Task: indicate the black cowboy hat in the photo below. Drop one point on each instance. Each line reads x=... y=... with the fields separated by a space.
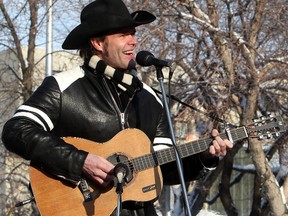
x=101 y=17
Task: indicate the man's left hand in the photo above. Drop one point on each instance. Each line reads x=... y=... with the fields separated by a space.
x=219 y=146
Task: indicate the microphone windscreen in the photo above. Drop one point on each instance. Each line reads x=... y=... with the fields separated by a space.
x=142 y=58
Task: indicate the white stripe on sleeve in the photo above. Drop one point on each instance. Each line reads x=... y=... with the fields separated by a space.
x=160 y=143
x=30 y=115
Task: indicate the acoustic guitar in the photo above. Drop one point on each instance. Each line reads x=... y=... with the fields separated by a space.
x=144 y=180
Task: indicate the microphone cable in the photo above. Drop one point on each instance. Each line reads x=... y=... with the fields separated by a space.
x=194 y=108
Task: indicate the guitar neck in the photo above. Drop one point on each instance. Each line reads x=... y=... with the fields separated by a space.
x=187 y=149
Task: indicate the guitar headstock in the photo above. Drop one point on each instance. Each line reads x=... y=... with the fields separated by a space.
x=266 y=127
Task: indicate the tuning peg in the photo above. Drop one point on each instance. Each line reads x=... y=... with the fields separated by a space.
x=269 y=114
x=256 y=121
x=268 y=135
x=277 y=134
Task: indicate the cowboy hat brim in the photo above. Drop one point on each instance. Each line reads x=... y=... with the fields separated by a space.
x=99 y=26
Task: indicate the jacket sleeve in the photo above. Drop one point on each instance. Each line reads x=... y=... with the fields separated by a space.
x=28 y=134
x=193 y=167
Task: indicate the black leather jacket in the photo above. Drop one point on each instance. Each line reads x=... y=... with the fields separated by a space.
x=79 y=103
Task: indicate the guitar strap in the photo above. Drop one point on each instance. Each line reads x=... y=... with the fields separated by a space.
x=84 y=188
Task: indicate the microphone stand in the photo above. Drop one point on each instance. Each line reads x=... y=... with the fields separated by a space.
x=119 y=190
x=120 y=172
x=160 y=78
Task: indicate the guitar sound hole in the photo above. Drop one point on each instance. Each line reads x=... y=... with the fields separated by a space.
x=117 y=158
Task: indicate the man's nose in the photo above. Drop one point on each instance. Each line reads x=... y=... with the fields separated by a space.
x=133 y=40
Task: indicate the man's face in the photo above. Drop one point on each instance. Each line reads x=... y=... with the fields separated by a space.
x=117 y=49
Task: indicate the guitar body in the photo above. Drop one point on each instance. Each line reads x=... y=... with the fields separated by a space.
x=58 y=197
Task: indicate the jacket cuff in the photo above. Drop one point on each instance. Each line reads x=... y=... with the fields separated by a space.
x=210 y=164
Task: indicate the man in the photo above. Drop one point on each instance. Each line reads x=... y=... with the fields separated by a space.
x=96 y=101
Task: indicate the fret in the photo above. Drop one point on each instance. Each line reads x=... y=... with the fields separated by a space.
x=145 y=161
x=141 y=162
x=163 y=158
x=186 y=151
x=151 y=162
x=141 y=166
x=156 y=158
x=135 y=167
x=199 y=144
x=160 y=158
x=170 y=155
x=137 y=164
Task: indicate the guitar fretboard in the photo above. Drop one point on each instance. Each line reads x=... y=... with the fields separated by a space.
x=168 y=155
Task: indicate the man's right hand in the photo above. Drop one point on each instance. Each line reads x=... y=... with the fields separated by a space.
x=98 y=169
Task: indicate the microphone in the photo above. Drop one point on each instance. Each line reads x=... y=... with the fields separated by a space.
x=145 y=58
x=120 y=171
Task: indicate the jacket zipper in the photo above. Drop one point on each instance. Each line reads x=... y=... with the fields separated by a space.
x=122 y=117
x=121 y=114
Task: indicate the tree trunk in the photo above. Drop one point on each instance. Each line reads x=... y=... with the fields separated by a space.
x=267 y=178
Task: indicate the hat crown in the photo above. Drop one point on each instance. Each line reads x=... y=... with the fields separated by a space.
x=101 y=17
x=101 y=8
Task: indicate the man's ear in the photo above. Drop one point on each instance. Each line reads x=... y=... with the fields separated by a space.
x=97 y=44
